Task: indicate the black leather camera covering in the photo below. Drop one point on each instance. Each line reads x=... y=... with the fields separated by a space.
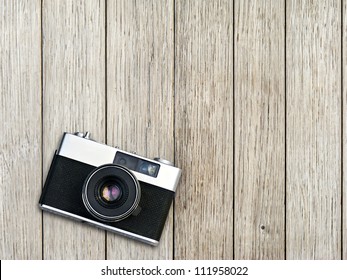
x=63 y=190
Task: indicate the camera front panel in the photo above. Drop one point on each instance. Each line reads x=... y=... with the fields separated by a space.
x=62 y=194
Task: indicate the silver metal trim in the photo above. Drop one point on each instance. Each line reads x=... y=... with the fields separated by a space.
x=100 y=225
x=162 y=160
x=96 y=154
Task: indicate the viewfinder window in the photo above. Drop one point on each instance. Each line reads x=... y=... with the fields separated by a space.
x=137 y=164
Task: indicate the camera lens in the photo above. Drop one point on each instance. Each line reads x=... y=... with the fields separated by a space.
x=111 y=193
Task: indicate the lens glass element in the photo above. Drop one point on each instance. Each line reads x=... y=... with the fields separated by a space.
x=110 y=192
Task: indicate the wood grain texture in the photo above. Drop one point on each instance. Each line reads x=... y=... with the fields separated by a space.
x=313 y=129
x=73 y=100
x=203 y=129
x=259 y=130
x=140 y=97
x=20 y=126
x=344 y=136
x=167 y=89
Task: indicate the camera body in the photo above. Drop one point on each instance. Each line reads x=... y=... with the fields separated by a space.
x=110 y=188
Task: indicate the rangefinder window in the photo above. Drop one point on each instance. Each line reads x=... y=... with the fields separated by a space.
x=137 y=164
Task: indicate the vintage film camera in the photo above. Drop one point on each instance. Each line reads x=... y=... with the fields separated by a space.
x=110 y=188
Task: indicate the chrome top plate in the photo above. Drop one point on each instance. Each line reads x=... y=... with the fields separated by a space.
x=96 y=154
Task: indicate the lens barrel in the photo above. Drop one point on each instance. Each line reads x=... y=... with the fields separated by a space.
x=111 y=193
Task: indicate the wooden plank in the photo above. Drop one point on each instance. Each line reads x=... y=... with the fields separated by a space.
x=344 y=140
x=140 y=97
x=259 y=130
x=203 y=129
x=20 y=126
x=73 y=100
x=313 y=129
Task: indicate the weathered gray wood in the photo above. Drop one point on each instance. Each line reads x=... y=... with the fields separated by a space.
x=73 y=100
x=170 y=93
x=140 y=101
x=203 y=129
x=344 y=136
x=313 y=129
x=259 y=130
x=20 y=126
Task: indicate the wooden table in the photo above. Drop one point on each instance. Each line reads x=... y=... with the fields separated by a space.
x=247 y=97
